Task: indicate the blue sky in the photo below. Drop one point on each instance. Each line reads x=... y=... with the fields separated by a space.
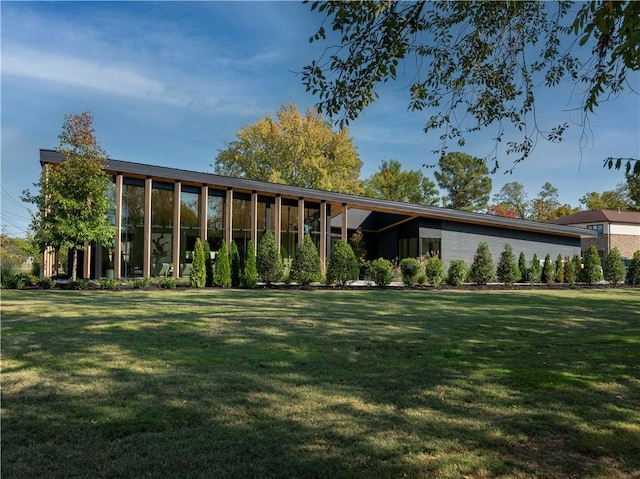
x=171 y=83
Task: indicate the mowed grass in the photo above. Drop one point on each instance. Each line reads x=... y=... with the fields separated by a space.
x=321 y=384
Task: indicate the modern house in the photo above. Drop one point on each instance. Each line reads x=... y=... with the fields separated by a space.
x=159 y=212
x=619 y=229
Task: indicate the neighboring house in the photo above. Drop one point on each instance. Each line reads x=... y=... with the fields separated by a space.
x=619 y=229
x=160 y=211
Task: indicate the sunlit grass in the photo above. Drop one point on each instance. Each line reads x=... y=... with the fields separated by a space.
x=340 y=384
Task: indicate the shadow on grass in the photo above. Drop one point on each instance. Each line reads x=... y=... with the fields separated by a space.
x=321 y=384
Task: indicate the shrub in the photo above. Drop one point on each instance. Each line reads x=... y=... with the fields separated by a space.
x=570 y=275
x=634 y=269
x=78 y=284
x=548 y=270
x=409 y=269
x=268 y=261
x=559 y=274
x=208 y=264
x=198 y=274
x=167 y=282
x=45 y=283
x=343 y=264
x=305 y=267
x=108 y=284
x=534 y=271
x=457 y=273
x=250 y=274
x=236 y=266
x=592 y=271
x=614 y=270
x=434 y=271
x=508 y=270
x=522 y=266
x=12 y=278
x=482 y=270
x=381 y=272
x=140 y=283
x=222 y=274
x=577 y=267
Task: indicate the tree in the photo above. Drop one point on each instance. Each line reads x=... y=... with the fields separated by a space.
x=614 y=269
x=633 y=188
x=625 y=197
x=522 y=266
x=577 y=267
x=534 y=271
x=508 y=270
x=343 y=264
x=513 y=198
x=305 y=267
x=198 y=274
x=592 y=270
x=482 y=270
x=501 y=210
x=268 y=261
x=222 y=273
x=236 y=266
x=559 y=273
x=479 y=64
x=546 y=206
x=634 y=269
x=548 y=270
x=570 y=274
x=293 y=150
x=390 y=182
x=250 y=274
x=466 y=179
x=72 y=199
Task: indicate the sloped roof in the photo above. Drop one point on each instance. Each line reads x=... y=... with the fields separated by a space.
x=600 y=216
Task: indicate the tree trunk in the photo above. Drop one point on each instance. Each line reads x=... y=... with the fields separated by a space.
x=74 y=265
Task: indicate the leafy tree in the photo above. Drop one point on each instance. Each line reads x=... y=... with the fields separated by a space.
x=548 y=270
x=482 y=270
x=250 y=274
x=577 y=267
x=222 y=273
x=305 y=267
x=268 y=261
x=500 y=209
x=479 y=64
x=607 y=200
x=390 y=182
x=457 y=272
x=198 y=274
x=294 y=150
x=381 y=272
x=508 y=270
x=434 y=271
x=634 y=269
x=559 y=272
x=522 y=266
x=236 y=265
x=534 y=271
x=409 y=269
x=343 y=264
x=513 y=197
x=546 y=206
x=208 y=263
x=592 y=270
x=614 y=269
x=466 y=179
x=633 y=189
x=72 y=199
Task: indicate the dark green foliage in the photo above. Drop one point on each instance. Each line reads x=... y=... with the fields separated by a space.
x=534 y=271
x=268 y=261
x=409 y=268
x=482 y=270
x=109 y=284
x=208 y=264
x=222 y=273
x=305 y=267
x=508 y=270
x=236 y=265
x=343 y=264
x=548 y=270
x=466 y=179
x=381 y=272
x=140 y=283
x=78 y=284
x=167 y=283
x=45 y=283
x=457 y=273
x=570 y=274
x=250 y=275
x=559 y=274
x=634 y=269
x=592 y=271
x=614 y=270
x=434 y=271
x=198 y=274
x=577 y=267
x=522 y=265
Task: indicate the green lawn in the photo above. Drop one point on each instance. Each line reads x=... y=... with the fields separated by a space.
x=321 y=384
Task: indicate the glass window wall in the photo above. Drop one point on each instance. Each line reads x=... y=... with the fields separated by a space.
x=132 y=236
x=189 y=226
x=161 y=229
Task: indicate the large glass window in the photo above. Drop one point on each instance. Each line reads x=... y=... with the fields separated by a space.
x=312 y=222
x=597 y=228
x=215 y=219
x=288 y=229
x=241 y=221
x=161 y=229
x=266 y=216
x=132 y=237
x=106 y=263
x=431 y=247
x=408 y=248
x=189 y=226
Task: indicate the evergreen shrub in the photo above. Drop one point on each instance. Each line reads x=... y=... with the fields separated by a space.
x=570 y=275
x=522 y=265
x=434 y=271
x=268 y=261
x=592 y=271
x=250 y=274
x=614 y=270
x=482 y=270
x=409 y=269
x=343 y=264
x=457 y=273
x=634 y=269
x=548 y=270
x=508 y=270
x=305 y=267
x=559 y=274
x=222 y=273
x=198 y=274
x=381 y=272
x=535 y=273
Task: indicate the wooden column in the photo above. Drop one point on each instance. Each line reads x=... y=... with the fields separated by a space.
x=300 y=220
x=228 y=218
x=117 y=249
x=344 y=222
x=204 y=211
x=175 y=257
x=146 y=251
x=254 y=220
x=277 y=228
x=323 y=236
